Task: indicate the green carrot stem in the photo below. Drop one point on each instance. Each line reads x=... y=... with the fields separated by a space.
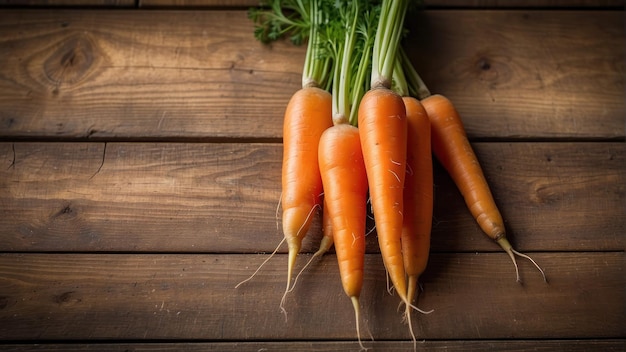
x=417 y=87
x=390 y=26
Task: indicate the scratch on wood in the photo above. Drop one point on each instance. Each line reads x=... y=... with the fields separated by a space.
x=104 y=153
x=161 y=121
x=12 y=165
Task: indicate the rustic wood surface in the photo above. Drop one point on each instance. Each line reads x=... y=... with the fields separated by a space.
x=140 y=160
x=87 y=71
x=216 y=196
x=248 y=3
x=177 y=296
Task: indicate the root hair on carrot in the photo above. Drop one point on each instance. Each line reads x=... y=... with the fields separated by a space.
x=262 y=264
x=324 y=247
x=277 y=215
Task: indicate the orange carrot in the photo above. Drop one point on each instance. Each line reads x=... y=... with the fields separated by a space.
x=418 y=194
x=345 y=194
x=383 y=134
x=454 y=152
x=307 y=116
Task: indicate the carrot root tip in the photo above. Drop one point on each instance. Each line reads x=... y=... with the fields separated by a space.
x=282 y=302
x=357 y=315
x=262 y=264
x=543 y=274
x=407 y=318
x=508 y=248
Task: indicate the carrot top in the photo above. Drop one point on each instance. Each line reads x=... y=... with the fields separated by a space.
x=387 y=41
x=350 y=39
x=302 y=21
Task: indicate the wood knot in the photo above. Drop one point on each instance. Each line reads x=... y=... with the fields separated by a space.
x=67 y=211
x=546 y=193
x=65 y=298
x=71 y=61
x=492 y=70
x=484 y=64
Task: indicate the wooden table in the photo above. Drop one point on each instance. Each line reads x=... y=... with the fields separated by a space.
x=140 y=159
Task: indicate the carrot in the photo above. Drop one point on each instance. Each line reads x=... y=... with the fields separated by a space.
x=345 y=194
x=308 y=114
x=382 y=128
x=454 y=152
x=340 y=156
x=418 y=194
x=418 y=184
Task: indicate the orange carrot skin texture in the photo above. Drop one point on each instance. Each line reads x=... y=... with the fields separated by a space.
x=307 y=116
x=382 y=126
x=418 y=190
x=454 y=152
x=345 y=195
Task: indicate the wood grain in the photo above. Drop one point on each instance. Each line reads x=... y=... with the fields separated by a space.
x=177 y=197
x=185 y=75
x=91 y=74
x=426 y=3
x=250 y=3
x=140 y=166
x=81 y=3
x=189 y=297
x=604 y=345
x=514 y=63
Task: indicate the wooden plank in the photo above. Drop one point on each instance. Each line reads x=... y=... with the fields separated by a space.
x=524 y=3
x=104 y=3
x=142 y=74
x=217 y=197
x=426 y=3
x=495 y=63
x=171 y=297
x=199 y=3
x=251 y=3
x=186 y=75
x=605 y=345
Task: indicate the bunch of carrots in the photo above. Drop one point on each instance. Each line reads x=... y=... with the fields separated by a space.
x=362 y=130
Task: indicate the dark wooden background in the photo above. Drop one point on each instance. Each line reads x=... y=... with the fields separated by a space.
x=140 y=151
